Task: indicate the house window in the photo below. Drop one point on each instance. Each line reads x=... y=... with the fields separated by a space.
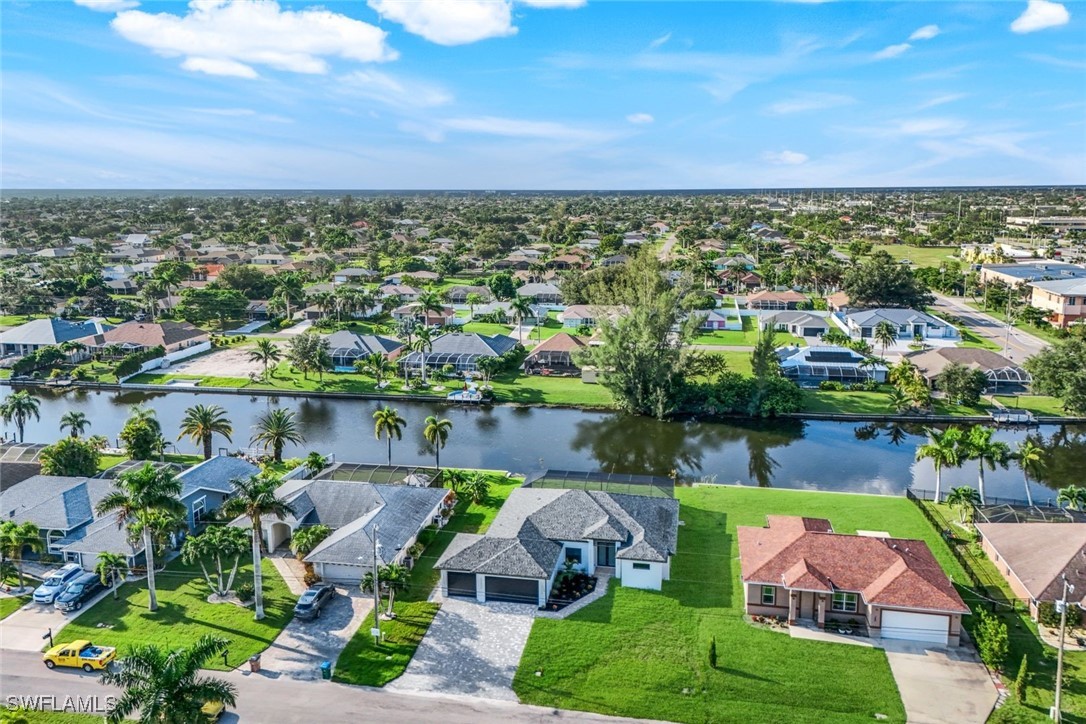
x=641 y=566
x=573 y=555
x=198 y=508
x=769 y=595
x=845 y=602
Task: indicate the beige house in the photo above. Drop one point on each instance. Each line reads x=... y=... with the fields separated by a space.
x=1034 y=557
x=1063 y=299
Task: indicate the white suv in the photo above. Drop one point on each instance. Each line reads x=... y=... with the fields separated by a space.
x=54 y=583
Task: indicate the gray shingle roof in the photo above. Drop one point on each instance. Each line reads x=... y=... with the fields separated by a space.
x=103 y=535
x=53 y=502
x=466 y=345
x=526 y=558
x=345 y=343
x=871 y=317
x=215 y=474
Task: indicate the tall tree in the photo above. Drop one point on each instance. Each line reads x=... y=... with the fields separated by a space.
x=75 y=422
x=885 y=335
x=111 y=569
x=521 y=309
x=275 y=429
x=70 y=456
x=289 y=290
x=168 y=686
x=18 y=538
x=1030 y=458
x=18 y=408
x=964 y=499
x=961 y=384
x=202 y=422
x=376 y=365
x=137 y=495
x=944 y=450
x=142 y=434
x=424 y=342
x=391 y=578
x=387 y=422
x=1060 y=371
x=216 y=544
x=255 y=498
x=266 y=352
x=436 y=433
x=883 y=282
x=979 y=446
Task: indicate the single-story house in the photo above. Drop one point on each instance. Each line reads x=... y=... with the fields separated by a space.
x=798 y=568
x=715 y=319
x=270 y=259
x=398 y=291
x=138 y=336
x=798 y=323
x=414 y=310
x=588 y=315
x=63 y=508
x=539 y=530
x=541 y=293
x=838 y=302
x=1034 y=557
x=408 y=277
x=353 y=274
x=460 y=294
x=568 y=261
x=206 y=485
x=556 y=353
x=616 y=260
x=908 y=324
x=348 y=347
x=537 y=313
x=257 y=310
x=462 y=350
x=809 y=366
x=38 y=333
x=356 y=513
x=766 y=299
x=1002 y=373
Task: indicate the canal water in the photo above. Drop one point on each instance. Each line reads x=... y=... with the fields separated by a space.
x=817 y=455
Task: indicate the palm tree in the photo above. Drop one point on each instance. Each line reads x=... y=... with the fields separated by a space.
x=944 y=450
x=424 y=342
x=255 y=498
x=477 y=487
x=1030 y=459
x=111 y=568
x=885 y=334
x=375 y=364
x=202 y=422
x=168 y=686
x=306 y=539
x=393 y=577
x=430 y=302
x=522 y=309
x=963 y=498
x=140 y=413
x=275 y=429
x=265 y=352
x=75 y=422
x=315 y=462
x=1074 y=496
x=979 y=446
x=19 y=408
x=16 y=538
x=138 y=495
x=436 y=433
x=472 y=299
x=388 y=423
x=454 y=479
x=289 y=289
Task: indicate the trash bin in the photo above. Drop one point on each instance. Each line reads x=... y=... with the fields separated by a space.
x=254 y=663
x=326 y=669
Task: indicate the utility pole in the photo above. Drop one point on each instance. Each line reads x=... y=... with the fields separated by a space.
x=376 y=593
x=1067 y=588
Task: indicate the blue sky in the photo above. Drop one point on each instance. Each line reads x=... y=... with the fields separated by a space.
x=541 y=94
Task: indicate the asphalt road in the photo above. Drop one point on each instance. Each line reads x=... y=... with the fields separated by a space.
x=261 y=699
x=1020 y=345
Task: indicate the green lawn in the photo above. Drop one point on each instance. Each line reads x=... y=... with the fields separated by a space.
x=363 y=663
x=920 y=255
x=746 y=338
x=969 y=339
x=847 y=402
x=11 y=604
x=537 y=389
x=644 y=654
x=1048 y=334
x=487 y=328
x=184 y=614
x=61 y=717
x=1039 y=405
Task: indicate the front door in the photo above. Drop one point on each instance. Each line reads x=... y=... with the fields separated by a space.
x=605 y=554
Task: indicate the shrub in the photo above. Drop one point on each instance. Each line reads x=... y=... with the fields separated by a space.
x=992 y=644
x=415 y=550
x=131 y=363
x=70 y=456
x=1047 y=615
x=427 y=535
x=245 y=592
x=1021 y=681
x=830 y=385
x=311 y=578
x=712 y=652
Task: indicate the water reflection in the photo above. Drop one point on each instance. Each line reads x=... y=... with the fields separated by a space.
x=1063 y=456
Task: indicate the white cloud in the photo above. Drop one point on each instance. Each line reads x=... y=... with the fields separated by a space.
x=803 y=102
x=1058 y=62
x=221 y=37
x=657 y=42
x=517 y=128
x=640 y=118
x=1041 y=14
x=449 y=22
x=786 y=158
x=108 y=6
x=393 y=91
x=941 y=100
x=892 y=51
x=925 y=33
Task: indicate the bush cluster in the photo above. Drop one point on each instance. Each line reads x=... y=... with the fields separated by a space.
x=131 y=363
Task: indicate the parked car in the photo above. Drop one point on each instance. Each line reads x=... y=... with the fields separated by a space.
x=213 y=710
x=79 y=591
x=79 y=655
x=312 y=601
x=53 y=584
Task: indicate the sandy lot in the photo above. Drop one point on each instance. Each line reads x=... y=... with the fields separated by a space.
x=232 y=362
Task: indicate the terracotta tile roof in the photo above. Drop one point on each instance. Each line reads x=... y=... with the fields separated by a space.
x=804 y=553
x=560 y=342
x=147 y=334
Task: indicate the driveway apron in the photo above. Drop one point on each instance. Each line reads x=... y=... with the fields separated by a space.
x=24 y=629
x=939 y=684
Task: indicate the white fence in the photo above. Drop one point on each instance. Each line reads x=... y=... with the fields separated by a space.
x=160 y=362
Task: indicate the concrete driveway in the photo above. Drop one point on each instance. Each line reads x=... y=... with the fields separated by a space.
x=471 y=649
x=23 y=630
x=301 y=647
x=940 y=684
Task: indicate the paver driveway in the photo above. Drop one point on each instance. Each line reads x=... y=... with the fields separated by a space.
x=471 y=648
x=298 y=651
x=940 y=684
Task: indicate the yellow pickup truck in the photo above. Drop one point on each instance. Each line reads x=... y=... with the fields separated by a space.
x=80 y=655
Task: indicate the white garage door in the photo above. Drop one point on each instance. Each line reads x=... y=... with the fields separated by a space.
x=927 y=627
x=338 y=573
